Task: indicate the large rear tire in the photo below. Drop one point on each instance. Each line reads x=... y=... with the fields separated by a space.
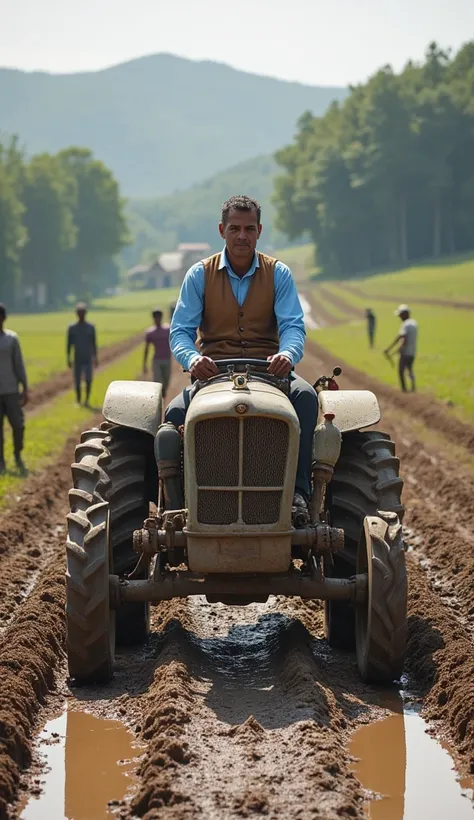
x=366 y=479
x=90 y=621
x=381 y=618
x=129 y=493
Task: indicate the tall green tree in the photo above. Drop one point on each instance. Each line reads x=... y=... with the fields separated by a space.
x=49 y=198
x=388 y=176
x=98 y=217
x=12 y=232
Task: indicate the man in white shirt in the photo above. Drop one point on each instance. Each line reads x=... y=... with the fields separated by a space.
x=407 y=337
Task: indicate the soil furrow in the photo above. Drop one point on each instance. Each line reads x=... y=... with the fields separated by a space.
x=245 y=710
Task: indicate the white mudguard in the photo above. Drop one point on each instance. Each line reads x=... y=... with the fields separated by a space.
x=134 y=404
x=352 y=409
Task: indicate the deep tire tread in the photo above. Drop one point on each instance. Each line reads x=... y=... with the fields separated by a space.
x=366 y=479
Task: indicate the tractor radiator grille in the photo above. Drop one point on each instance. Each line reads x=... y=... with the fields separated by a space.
x=219 y=463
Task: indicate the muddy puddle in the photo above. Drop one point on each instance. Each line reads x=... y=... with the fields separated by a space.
x=89 y=766
x=408 y=774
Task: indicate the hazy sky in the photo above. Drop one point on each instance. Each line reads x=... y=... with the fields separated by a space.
x=329 y=42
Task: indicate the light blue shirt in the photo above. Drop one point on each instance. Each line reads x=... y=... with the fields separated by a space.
x=189 y=307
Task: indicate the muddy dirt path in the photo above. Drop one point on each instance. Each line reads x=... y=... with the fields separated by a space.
x=43 y=392
x=242 y=711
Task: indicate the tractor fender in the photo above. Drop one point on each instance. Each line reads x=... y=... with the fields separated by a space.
x=352 y=409
x=134 y=404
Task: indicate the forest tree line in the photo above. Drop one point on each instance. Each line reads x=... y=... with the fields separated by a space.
x=386 y=177
x=61 y=224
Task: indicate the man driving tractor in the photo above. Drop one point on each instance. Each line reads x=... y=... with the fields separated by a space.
x=245 y=305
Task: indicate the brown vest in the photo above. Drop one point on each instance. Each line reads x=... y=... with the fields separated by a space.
x=230 y=331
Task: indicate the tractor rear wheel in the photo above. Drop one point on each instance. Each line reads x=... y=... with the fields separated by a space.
x=381 y=618
x=129 y=496
x=366 y=479
x=90 y=621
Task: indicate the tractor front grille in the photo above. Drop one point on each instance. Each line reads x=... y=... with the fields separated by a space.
x=243 y=454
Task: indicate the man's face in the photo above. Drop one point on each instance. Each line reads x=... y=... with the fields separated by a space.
x=157 y=319
x=3 y=316
x=241 y=233
x=81 y=315
x=404 y=315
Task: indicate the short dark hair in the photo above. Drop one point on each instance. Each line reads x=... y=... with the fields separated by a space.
x=240 y=203
x=3 y=310
x=157 y=312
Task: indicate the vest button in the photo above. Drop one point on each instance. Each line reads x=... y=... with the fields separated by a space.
x=241 y=329
x=241 y=313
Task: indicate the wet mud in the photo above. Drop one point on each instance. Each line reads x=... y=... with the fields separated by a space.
x=241 y=711
x=46 y=391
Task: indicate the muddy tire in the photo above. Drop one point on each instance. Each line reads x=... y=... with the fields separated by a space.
x=90 y=621
x=366 y=479
x=381 y=618
x=129 y=495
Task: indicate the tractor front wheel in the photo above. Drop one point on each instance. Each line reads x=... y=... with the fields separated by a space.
x=381 y=618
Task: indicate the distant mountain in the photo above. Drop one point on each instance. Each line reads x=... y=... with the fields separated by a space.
x=193 y=215
x=161 y=122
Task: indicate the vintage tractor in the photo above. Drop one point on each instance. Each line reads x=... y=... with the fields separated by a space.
x=158 y=513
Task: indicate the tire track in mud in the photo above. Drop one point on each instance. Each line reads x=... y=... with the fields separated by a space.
x=246 y=711
x=32 y=599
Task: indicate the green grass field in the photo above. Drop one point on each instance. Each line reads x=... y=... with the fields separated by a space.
x=445 y=361
x=47 y=430
x=452 y=280
x=43 y=335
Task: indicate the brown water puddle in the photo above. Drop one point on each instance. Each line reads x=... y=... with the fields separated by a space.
x=410 y=773
x=89 y=762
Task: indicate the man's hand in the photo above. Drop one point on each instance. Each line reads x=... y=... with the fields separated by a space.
x=279 y=365
x=69 y=364
x=96 y=362
x=145 y=370
x=24 y=397
x=203 y=368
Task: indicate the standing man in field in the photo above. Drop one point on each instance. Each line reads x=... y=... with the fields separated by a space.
x=371 y=323
x=82 y=337
x=12 y=401
x=159 y=337
x=245 y=305
x=406 y=339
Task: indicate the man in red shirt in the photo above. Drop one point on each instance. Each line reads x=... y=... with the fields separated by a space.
x=159 y=337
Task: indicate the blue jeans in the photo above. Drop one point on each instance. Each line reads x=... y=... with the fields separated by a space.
x=305 y=401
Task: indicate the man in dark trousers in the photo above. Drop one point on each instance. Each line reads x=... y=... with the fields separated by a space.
x=81 y=336
x=12 y=401
x=371 y=322
x=245 y=304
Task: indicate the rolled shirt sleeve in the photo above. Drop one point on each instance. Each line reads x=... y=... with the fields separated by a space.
x=289 y=315
x=187 y=317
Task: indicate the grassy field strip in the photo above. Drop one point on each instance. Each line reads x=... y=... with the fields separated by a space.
x=363 y=294
x=444 y=365
x=47 y=429
x=329 y=310
x=43 y=335
x=451 y=279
